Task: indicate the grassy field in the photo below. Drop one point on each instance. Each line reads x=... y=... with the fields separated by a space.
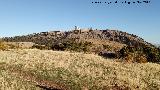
x=33 y=69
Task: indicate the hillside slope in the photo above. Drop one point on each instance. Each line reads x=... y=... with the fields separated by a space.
x=55 y=37
x=37 y=69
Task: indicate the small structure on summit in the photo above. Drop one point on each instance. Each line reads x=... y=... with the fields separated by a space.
x=79 y=30
x=76 y=30
x=57 y=32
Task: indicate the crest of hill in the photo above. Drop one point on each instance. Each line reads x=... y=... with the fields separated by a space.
x=99 y=36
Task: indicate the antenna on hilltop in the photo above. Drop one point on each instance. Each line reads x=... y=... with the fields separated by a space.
x=76 y=28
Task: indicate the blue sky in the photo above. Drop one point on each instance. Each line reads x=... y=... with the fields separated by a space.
x=21 y=17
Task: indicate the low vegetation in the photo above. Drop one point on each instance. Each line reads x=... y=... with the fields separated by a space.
x=127 y=53
x=41 y=47
x=73 y=45
x=3 y=46
x=47 y=69
x=14 y=45
x=140 y=54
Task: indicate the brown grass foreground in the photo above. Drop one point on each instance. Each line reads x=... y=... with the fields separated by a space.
x=32 y=69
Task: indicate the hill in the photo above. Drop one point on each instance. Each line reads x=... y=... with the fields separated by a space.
x=46 y=69
x=107 y=43
x=114 y=38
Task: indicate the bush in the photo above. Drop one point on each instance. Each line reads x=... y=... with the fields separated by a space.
x=3 y=46
x=41 y=47
x=135 y=57
x=152 y=53
x=140 y=54
x=107 y=47
x=72 y=45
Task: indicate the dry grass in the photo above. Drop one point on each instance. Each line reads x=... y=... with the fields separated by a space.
x=15 y=45
x=8 y=81
x=22 y=45
x=75 y=71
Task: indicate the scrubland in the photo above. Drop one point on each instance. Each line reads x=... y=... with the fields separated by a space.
x=33 y=69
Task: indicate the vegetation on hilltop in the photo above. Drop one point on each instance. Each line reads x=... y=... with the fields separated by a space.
x=72 y=45
x=51 y=38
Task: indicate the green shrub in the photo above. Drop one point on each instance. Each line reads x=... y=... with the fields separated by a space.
x=41 y=47
x=152 y=54
x=140 y=54
x=72 y=45
x=107 y=47
x=135 y=57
